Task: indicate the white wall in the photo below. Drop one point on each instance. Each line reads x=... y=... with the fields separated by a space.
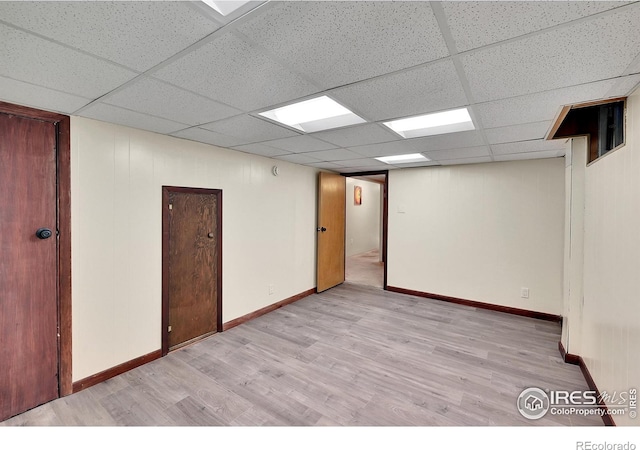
x=610 y=336
x=117 y=174
x=363 y=221
x=480 y=232
x=564 y=338
x=576 y=161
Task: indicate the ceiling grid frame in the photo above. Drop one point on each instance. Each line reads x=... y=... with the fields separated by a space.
x=368 y=137
x=448 y=38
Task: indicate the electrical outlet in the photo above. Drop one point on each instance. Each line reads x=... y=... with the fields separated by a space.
x=524 y=292
x=272 y=288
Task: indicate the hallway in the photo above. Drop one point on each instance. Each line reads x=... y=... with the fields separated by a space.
x=366 y=269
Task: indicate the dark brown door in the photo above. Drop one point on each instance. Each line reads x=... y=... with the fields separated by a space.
x=331 y=230
x=192 y=259
x=28 y=265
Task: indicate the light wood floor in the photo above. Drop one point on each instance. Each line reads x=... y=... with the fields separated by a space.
x=365 y=268
x=350 y=356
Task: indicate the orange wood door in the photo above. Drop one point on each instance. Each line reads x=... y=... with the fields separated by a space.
x=28 y=265
x=331 y=230
x=193 y=264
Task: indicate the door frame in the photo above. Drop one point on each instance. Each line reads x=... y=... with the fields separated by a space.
x=385 y=213
x=165 y=257
x=62 y=125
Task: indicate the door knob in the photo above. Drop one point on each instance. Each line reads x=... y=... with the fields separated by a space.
x=210 y=235
x=323 y=229
x=43 y=233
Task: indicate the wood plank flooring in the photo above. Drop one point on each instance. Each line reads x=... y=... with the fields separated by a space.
x=353 y=355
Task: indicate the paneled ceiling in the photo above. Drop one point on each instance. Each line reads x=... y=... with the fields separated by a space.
x=182 y=69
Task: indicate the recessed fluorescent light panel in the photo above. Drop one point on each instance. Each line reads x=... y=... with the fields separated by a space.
x=317 y=114
x=430 y=124
x=226 y=7
x=403 y=159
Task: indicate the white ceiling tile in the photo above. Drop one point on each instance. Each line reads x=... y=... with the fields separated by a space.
x=233 y=72
x=154 y=97
x=448 y=141
x=338 y=154
x=261 y=149
x=370 y=133
x=248 y=129
x=451 y=162
x=208 y=137
x=544 y=106
x=137 y=34
x=354 y=40
x=300 y=144
x=363 y=165
x=634 y=66
x=357 y=169
x=563 y=57
x=326 y=165
x=528 y=108
x=33 y=60
x=534 y=155
x=364 y=162
x=426 y=89
x=522 y=132
x=624 y=86
x=26 y=94
x=113 y=114
x=420 y=164
x=539 y=145
x=385 y=149
x=459 y=153
x=476 y=24
x=297 y=158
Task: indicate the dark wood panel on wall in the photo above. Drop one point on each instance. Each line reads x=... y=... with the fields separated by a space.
x=64 y=254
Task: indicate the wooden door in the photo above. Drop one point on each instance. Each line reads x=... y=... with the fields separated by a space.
x=331 y=230
x=193 y=261
x=28 y=264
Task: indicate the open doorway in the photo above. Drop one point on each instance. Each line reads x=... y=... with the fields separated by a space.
x=365 y=237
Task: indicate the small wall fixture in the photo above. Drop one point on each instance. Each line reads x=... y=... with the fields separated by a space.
x=275 y=170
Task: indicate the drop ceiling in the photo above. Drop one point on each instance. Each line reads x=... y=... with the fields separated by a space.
x=182 y=69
